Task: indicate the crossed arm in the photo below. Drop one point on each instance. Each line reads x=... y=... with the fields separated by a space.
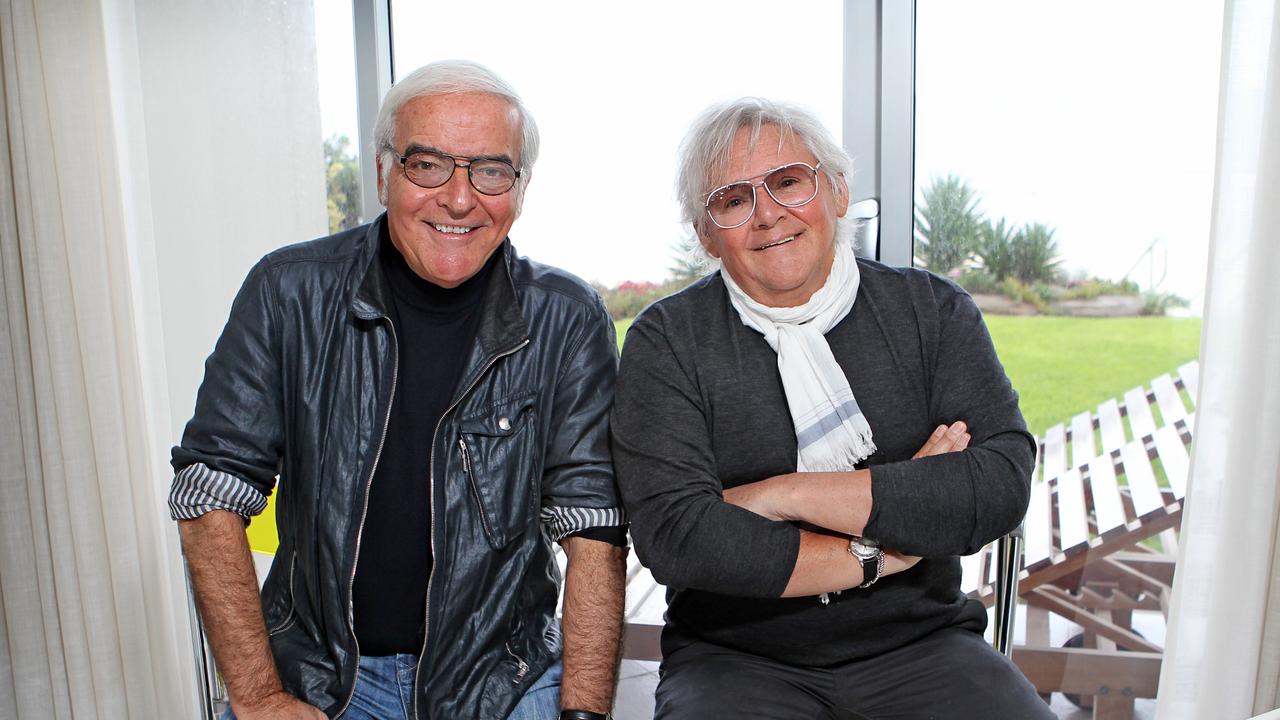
x=836 y=502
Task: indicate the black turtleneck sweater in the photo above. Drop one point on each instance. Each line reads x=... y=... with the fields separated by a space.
x=434 y=329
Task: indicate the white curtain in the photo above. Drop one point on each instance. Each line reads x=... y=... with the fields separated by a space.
x=1222 y=658
x=91 y=613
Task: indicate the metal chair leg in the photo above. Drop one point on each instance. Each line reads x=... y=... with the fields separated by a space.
x=1008 y=558
x=207 y=682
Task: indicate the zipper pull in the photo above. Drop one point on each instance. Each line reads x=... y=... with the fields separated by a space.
x=466 y=456
x=523 y=667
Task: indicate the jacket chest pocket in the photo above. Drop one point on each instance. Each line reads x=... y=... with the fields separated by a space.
x=498 y=450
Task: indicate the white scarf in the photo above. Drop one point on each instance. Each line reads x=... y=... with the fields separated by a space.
x=831 y=432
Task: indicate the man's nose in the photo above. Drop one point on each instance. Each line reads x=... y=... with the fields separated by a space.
x=767 y=209
x=457 y=195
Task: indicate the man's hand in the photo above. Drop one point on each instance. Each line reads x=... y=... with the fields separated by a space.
x=945 y=439
x=279 y=704
x=226 y=592
x=594 y=596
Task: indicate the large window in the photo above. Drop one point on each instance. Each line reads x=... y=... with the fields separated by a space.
x=1064 y=174
x=613 y=89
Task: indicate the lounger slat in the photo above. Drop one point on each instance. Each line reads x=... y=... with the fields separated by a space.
x=1140 y=420
x=1173 y=456
x=1037 y=527
x=1081 y=439
x=1107 y=507
x=1171 y=407
x=1111 y=425
x=1142 y=481
x=1190 y=375
x=1055 y=452
x=1073 y=524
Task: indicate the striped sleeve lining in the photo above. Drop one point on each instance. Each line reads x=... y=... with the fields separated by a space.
x=561 y=522
x=198 y=488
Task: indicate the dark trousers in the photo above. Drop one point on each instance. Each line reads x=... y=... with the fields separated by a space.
x=952 y=674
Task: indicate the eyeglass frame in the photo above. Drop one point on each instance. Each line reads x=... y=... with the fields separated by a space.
x=454 y=158
x=706 y=202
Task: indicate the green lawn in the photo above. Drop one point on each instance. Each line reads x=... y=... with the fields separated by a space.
x=1061 y=366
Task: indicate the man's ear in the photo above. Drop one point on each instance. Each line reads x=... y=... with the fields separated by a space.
x=382 y=190
x=708 y=243
x=841 y=192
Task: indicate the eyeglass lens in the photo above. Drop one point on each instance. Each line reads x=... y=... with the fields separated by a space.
x=789 y=185
x=429 y=170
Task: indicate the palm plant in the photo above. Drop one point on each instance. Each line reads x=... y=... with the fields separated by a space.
x=995 y=247
x=1035 y=254
x=947 y=224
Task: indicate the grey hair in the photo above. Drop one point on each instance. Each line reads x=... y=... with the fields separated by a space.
x=706 y=149
x=448 y=77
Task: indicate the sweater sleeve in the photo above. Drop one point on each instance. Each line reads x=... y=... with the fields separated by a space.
x=954 y=504
x=682 y=529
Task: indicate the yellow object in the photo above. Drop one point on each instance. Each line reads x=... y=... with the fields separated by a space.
x=262 y=533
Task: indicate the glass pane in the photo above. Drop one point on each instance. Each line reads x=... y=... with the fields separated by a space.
x=623 y=83
x=335 y=63
x=1064 y=176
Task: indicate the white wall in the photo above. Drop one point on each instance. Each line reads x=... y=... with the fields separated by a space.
x=235 y=164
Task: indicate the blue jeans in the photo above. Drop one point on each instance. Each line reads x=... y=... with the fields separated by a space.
x=384 y=691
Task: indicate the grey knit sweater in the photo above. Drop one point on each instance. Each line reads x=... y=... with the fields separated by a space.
x=700 y=408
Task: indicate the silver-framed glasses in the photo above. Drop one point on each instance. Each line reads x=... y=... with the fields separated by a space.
x=791 y=185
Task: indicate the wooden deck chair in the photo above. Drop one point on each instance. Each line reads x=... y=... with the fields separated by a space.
x=1096 y=503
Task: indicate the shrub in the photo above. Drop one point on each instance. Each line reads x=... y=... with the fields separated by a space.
x=995 y=247
x=1096 y=287
x=1035 y=254
x=978 y=281
x=947 y=224
x=1158 y=303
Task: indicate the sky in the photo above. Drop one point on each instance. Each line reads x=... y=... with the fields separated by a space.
x=1095 y=117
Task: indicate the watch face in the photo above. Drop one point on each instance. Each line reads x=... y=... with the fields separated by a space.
x=863 y=549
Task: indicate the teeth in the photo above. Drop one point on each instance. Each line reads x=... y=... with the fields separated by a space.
x=786 y=239
x=454 y=229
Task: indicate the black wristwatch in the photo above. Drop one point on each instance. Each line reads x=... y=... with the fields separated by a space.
x=583 y=715
x=871 y=556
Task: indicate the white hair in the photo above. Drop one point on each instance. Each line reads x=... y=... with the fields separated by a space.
x=448 y=77
x=706 y=150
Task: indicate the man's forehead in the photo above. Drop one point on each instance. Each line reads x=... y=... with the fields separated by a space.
x=754 y=151
x=485 y=123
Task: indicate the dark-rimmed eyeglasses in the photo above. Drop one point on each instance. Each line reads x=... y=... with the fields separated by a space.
x=489 y=176
x=791 y=185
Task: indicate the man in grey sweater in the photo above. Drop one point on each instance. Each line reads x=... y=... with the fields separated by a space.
x=805 y=442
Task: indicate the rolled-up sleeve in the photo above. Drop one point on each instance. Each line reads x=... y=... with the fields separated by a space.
x=954 y=504
x=579 y=490
x=683 y=530
x=229 y=455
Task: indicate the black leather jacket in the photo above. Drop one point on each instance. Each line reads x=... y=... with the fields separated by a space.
x=300 y=383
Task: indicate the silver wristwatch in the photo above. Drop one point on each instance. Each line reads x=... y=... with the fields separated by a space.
x=871 y=556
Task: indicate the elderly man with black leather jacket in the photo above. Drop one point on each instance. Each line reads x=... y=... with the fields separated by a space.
x=435 y=409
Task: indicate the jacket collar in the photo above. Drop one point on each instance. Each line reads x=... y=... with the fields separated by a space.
x=502 y=325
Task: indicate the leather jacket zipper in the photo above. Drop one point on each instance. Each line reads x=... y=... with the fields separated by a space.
x=475 y=487
x=431 y=490
x=368 y=483
x=520 y=663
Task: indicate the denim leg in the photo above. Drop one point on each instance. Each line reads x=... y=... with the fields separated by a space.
x=542 y=700
x=377 y=693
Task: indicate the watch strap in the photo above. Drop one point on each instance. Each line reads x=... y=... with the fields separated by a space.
x=583 y=715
